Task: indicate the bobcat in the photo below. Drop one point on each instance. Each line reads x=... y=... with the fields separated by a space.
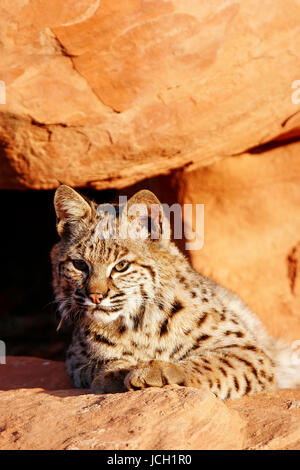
x=144 y=318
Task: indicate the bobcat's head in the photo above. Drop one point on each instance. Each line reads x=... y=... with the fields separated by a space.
x=110 y=264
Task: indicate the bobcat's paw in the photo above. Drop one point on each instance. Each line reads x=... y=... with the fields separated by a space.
x=97 y=386
x=154 y=374
x=111 y=381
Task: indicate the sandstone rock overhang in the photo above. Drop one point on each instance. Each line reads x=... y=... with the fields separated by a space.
x=105 y=94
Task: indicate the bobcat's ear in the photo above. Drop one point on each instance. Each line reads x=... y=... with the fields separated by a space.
x=71 y=209
x=144 y=214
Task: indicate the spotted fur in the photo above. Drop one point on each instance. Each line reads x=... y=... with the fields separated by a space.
x=157 y=322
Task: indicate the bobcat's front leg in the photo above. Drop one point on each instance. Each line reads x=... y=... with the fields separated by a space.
x=228 y=372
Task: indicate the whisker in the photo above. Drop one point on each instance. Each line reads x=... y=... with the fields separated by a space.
x=56 y=301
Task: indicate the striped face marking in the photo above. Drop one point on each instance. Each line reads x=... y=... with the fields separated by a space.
x=111 y=273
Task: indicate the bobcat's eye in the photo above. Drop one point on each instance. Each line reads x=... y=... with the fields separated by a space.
x=122 y=266
x=80 y=265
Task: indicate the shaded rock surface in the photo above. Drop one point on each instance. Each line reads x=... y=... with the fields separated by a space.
x=44 y=414
x=105 y=94
x=31 y=372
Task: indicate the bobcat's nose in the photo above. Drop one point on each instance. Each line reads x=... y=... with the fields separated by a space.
x=96 y=297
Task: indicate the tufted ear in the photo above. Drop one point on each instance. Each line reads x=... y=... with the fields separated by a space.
x=144 y=215
x=71 y=209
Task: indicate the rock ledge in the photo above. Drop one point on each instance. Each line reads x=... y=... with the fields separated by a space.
x=40 y=410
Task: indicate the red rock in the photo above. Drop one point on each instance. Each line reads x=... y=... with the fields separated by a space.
x=29 y=372
x=273 y=421
x=173 y=418
x=156 y=419
x=107 y=93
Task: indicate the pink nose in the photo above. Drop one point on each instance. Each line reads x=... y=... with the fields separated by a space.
x=96 y=298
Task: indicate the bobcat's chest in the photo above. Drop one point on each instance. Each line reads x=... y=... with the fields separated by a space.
x=132 y=345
